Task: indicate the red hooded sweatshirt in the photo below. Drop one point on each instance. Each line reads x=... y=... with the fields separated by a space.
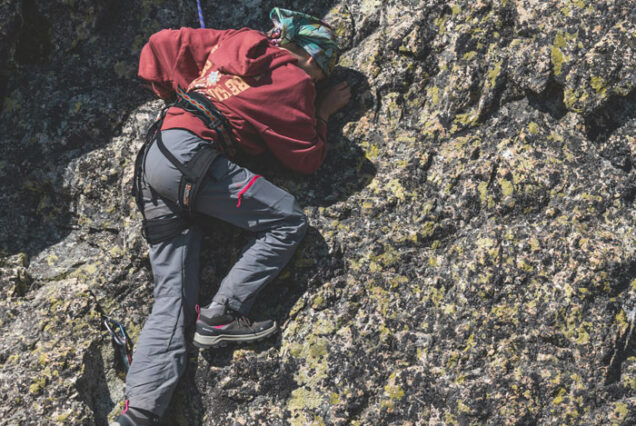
x=266 y=97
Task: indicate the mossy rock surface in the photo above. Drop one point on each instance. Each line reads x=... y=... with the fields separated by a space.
x=471 y=251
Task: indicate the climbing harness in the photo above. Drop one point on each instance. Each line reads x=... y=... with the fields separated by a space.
x=192 y=172
x=199 y=105
x=120 y=338
x=200 y=14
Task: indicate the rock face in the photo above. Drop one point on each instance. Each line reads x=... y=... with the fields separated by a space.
x=471 y=256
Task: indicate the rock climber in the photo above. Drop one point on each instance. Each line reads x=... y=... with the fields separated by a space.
x=234 y=90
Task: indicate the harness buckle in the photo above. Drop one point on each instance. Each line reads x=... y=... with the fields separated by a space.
x=186 y=194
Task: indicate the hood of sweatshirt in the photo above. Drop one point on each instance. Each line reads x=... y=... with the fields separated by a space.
x=247 y=53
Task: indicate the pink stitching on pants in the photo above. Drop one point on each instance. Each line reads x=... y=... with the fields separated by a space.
x=245 y=188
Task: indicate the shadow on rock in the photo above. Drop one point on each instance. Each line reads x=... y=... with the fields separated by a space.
x=92 y=386
x=346 y=170
x=314 y=263
x=66 y=94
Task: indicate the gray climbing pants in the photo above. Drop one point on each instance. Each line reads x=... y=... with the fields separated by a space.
x=232 y=194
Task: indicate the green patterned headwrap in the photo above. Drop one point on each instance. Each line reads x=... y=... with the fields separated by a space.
x=308 y=32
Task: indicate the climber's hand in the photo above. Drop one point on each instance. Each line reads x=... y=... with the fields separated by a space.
x=333 y=99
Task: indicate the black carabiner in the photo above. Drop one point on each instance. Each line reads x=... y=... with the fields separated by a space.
x=121 y=338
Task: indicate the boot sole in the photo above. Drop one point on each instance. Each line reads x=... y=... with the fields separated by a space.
x=205 y=342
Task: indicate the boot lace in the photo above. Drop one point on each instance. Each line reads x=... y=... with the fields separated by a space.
x=244 y=321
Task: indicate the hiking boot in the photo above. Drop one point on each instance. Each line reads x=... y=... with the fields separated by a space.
x=135 y=417
x=230 y=327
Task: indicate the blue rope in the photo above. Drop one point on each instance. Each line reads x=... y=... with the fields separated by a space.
x=200 y=14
